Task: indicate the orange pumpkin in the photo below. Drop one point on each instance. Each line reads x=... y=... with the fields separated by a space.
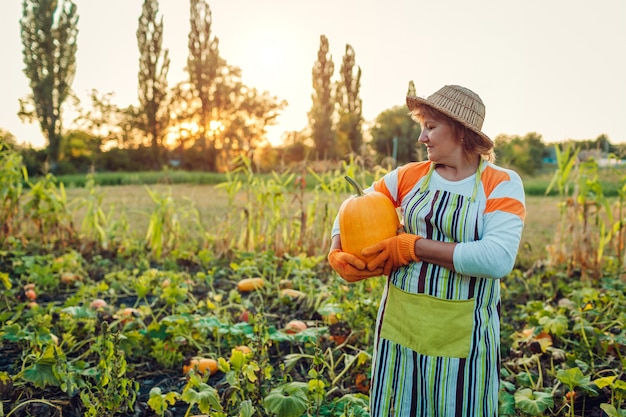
x=295 y=326
x=250 y=284
x=362 y=383
x=366 y=219
x=201 y=365
x=243 y=349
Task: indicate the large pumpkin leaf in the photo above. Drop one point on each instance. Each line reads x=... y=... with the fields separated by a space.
x=605 y=381
x=206 y=398
x=611 y=411
x=246 y=409
x=42 y=372
x=288 y=400
x=523 y=379
x=356 y=405
x=556 y=325
x=506 y=404
x=159 y=401
x=572 y=378
x=533 y=402
x=14 y=333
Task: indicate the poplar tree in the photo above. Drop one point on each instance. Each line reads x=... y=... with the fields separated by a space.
x=49 y=35
x=322 y=109
x=203 y=64
x=349 y=127
x=154 y=65
x=396 y=123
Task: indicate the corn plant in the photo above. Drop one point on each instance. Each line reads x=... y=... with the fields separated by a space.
x=614 y=236
x=46 y=212
x=95 y=223
x=588 y=224
x=275 y=213
x=11 y=175
x=165 y=233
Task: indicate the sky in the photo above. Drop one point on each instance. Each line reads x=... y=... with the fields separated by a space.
x=552 y=67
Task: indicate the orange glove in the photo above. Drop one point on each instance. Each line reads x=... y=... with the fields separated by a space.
x=392 y=253
x=349 y=267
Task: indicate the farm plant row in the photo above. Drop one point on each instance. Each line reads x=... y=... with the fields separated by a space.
x=240 y=315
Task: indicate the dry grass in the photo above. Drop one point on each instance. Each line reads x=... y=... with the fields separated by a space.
x=540 y=228
x=134 y=201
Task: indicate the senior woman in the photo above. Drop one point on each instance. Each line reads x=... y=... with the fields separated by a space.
x=437 y=344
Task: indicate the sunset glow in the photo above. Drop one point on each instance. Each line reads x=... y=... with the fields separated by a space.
x=539 y=66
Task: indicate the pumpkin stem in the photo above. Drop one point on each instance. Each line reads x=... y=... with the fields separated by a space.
x=355 y=185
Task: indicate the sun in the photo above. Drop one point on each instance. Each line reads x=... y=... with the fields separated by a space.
x=180 y=133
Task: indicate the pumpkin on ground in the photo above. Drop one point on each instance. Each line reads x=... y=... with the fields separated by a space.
x=291 y=293
x=295 y=326
x=200 y=365
x=243 y=349
x=250 y=284
x=366 y=219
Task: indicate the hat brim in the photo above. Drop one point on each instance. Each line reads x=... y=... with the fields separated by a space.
x=414 y=101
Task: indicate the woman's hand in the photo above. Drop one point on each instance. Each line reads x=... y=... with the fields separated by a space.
x=392 y=253
x=350 y=267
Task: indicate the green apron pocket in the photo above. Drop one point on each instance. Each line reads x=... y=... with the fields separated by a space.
x=428 y=325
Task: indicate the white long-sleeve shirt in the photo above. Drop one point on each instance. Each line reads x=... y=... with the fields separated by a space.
x=500 y=194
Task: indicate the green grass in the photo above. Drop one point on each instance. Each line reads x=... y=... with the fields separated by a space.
x=143 y=178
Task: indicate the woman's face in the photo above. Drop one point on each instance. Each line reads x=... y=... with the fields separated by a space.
x=440 y=140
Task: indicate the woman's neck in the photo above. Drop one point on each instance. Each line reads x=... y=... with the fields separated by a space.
x=456 y=171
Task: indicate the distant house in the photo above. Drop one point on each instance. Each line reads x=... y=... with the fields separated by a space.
x=550 y=157
x=600 y=157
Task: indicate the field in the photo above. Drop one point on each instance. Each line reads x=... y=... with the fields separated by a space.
x=212 y=205
x=217 y=300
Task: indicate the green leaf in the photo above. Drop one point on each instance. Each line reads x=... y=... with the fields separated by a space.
x=288 y=400
x=250 y=371
x=554 y=325
x=223 y=365
x=620 y=386
x=316 y=386
x=4 y=278
x=611 y=411
x=206 y=398
x=355 y=405
x=508 y=386
x=533 y=402
x=523 y=379
x=159 y=402
x=572 y=378
x=311 y=334
x=14 y=333
x=278 y=336
x=604 y=382
x=246 y=409
x=237 y=359
x=506 y=404
x=41 y=373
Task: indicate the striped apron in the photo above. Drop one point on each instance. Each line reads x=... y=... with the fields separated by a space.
x=438 y=332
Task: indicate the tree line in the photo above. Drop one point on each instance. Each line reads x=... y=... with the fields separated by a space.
x=208 y=119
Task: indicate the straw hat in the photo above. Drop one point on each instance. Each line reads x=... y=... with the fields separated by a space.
x=459 y=103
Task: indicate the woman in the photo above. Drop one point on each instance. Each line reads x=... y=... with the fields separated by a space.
x=438 y=332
